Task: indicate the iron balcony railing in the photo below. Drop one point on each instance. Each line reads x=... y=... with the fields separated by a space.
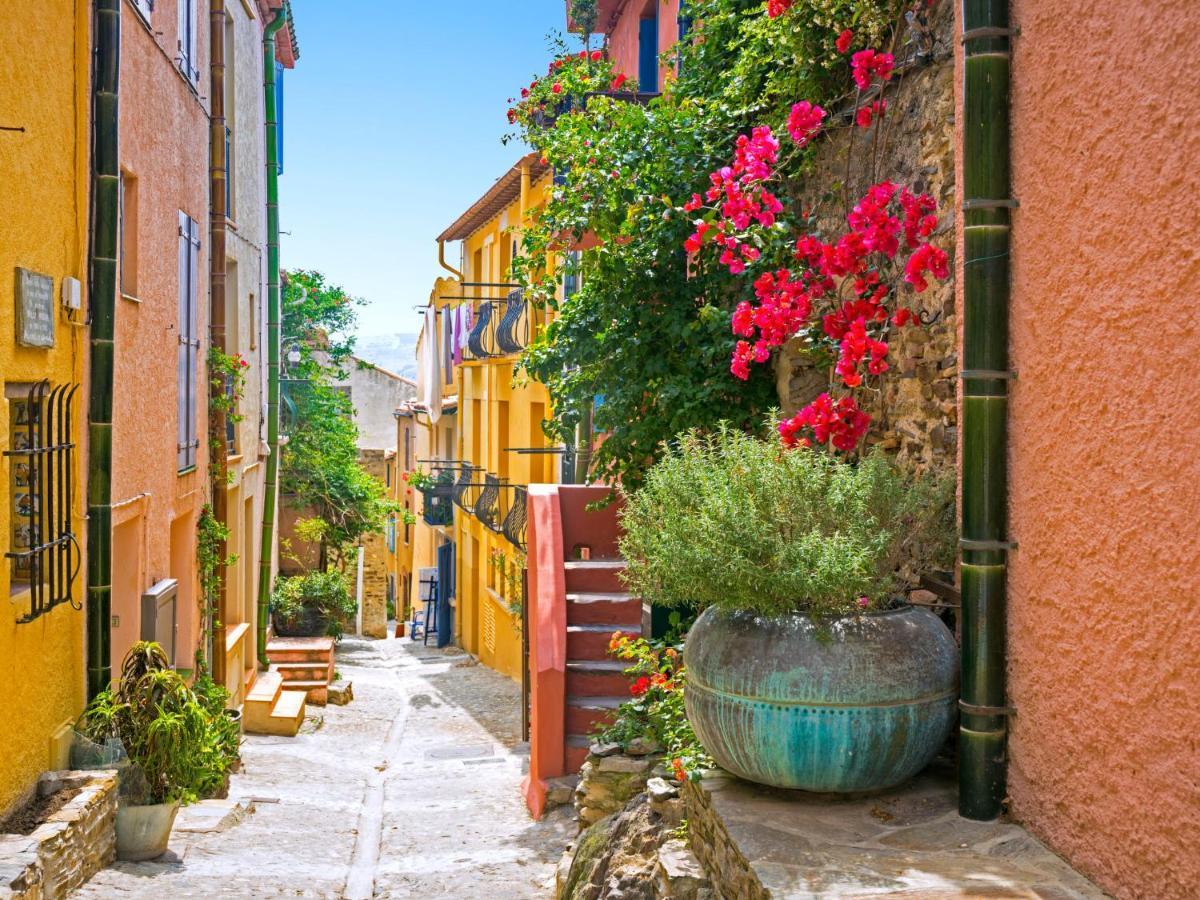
x=487 y=507
x=516 y=521
x=437 y=508
x=512 y=331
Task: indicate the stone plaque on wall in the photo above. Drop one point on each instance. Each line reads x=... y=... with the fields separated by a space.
x=35 y=309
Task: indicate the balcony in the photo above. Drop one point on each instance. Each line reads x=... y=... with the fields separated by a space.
x=487 y=507
x=438 y=499
x=512 y=331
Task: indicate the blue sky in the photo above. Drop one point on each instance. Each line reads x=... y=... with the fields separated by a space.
x=393 y=119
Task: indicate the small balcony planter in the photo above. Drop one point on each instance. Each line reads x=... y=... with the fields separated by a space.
x=858 y=703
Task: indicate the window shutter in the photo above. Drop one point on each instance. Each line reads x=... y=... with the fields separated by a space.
x=188 y=26
x=187 y=368
x=648 y=53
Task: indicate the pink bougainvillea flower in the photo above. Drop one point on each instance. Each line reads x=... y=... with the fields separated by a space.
x=843 y=41
x=804 y=122
x=866 y=65
x=863 y=602
x=867 y=115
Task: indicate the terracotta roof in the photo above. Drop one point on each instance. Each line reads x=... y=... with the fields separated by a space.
x=287 y=48
x=506 y=189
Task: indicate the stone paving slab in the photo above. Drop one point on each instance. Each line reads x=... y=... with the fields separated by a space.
x=907 y=843
x=355 y=806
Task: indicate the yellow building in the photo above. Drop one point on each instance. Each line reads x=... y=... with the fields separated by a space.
x=45 y=168
x=501 y=447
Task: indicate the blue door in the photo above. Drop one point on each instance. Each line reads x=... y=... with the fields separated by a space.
x=446 y=589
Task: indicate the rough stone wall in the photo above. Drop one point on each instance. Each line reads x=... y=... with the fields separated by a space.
x=375 y=559
x=915 y=412
x=730 y=873
x=70 y=847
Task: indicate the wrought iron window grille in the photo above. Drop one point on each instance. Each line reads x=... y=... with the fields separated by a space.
x=46 y=554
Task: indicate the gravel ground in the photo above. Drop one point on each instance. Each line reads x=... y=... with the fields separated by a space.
x=413 y=790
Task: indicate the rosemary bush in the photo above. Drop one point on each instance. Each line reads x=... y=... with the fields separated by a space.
x=731 y=520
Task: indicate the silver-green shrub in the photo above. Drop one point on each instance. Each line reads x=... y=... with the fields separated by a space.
x=746 y=524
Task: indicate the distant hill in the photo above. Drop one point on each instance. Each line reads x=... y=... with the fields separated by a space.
x=394 y=352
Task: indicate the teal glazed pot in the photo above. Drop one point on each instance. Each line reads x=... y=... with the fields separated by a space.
x=862 y=704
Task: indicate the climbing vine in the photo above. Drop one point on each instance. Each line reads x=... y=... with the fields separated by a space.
x=211 y=538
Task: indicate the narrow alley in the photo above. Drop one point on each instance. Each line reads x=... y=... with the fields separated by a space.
x=412 y=789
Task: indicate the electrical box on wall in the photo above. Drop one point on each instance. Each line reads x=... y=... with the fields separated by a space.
x=71 y=293
x=158 y=615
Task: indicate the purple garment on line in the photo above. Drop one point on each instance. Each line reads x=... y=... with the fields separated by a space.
x=458 y=335
x=447 y=345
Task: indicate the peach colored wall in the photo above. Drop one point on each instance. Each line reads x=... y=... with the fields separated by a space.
x=164 y=145
x=623 y=41
x=1104 y=592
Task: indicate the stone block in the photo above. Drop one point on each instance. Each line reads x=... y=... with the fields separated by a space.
x=340 y=693
x=625 y=764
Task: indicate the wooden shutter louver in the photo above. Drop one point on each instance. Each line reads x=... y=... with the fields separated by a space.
x=189 y=343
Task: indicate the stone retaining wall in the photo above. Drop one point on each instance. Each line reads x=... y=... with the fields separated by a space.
x=70 y=846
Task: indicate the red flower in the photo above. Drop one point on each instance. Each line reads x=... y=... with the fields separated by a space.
x=902 y=317
x=679 y=770
x=867 y=114
x=597 y=56
x=640 y=686
x=618 y=82
x=843 y=41
x=839 y=422
x=557 y=89
x=776 y=8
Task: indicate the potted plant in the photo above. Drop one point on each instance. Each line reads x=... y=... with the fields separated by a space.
x=179 y=749
x=806 y=669
x=312 y=604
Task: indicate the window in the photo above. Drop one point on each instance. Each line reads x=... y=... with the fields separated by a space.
x=391 y=533
x=189 y=58
x=145 y=7
x=187 y=371
x=129 y=235
x=648 y=49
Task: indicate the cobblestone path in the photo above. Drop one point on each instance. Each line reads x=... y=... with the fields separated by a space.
x=410 y=791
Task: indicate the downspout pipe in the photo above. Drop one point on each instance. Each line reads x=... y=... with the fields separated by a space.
x=102 y=294
x=267 y=543
x=218 y=450
x=445 y=265
x=987 y=204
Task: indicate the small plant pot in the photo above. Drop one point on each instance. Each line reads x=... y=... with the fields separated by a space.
x=143 y=832
x=236 y=716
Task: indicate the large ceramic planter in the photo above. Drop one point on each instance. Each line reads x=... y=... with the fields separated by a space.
x=861 y=704
x=311 y=623
x=143 y=832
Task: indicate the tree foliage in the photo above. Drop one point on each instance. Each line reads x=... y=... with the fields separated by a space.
x=319 y=465
x=645 y=331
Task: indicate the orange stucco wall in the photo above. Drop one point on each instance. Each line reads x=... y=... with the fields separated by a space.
x=1104 y=591
x=164 y=145
x=623 y=41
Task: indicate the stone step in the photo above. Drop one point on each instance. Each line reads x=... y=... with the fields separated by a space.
x=585 y=714
x=260 y=701
x=586 y=608
x=597 y=678
x=311 y=649
x=576 y=751
x=594 y=575
x=304 y=671
x=590 y=642
x=316 y=691
x=288 y=714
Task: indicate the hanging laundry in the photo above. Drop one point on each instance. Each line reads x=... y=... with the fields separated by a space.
x=430 y=365
x=447 y=350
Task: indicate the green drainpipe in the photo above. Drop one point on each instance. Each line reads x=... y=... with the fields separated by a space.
x=986 y=220
x=102 y=294
x=266 y=551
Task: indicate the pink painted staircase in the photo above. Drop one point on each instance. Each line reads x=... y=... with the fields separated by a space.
x=597 y=605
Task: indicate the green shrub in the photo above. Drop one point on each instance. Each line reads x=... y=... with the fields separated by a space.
x=324 y=594
x=730 y=520
x=181 y=744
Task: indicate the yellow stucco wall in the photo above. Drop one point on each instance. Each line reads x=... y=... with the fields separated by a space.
x=497 y=414
x=44 y=171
